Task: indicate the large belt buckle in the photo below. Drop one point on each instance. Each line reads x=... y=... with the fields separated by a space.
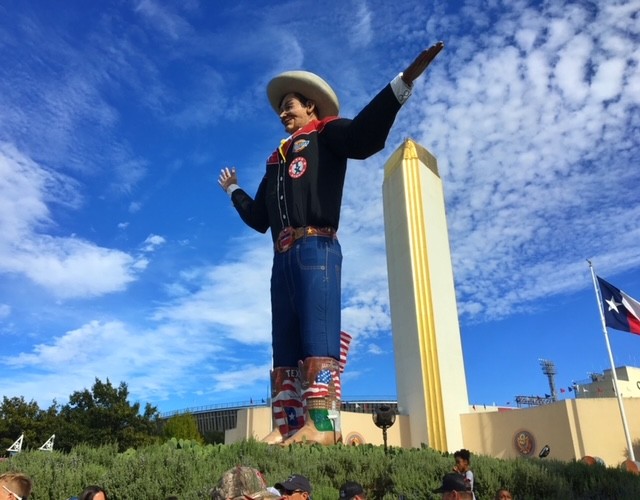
x=286 y=239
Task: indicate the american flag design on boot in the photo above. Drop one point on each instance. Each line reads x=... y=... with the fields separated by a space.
x=287 y=408
x=320 y=388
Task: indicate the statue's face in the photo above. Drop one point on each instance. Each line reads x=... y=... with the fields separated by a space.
x=294 y=115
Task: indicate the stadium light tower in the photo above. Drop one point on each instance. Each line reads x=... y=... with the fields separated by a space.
x=549 y=369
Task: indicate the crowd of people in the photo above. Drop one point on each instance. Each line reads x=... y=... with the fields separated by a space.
x=248 y=483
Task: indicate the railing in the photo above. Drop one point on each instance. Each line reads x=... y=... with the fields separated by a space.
x=266 y=402
x=218 y=406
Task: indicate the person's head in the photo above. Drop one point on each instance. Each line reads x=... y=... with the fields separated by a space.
x=242 y=483
x=14 y=486
x=503 y=494
x=93 y=492
x=454 y=487
x=299 y=97
x=296 y=111
x=352 y=491
x=296 y=487
x=463 y=459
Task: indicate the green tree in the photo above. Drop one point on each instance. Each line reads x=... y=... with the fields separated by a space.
x=104 y=415
x=17 y=417
x=183 y=426
x=214 y=437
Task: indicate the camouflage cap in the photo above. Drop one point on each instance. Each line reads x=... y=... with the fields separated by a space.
x=241 y=481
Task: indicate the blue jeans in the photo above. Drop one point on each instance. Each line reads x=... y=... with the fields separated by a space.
x=305 y=301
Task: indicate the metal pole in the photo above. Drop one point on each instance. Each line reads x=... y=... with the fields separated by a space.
x=613 y=366
x=384 y=438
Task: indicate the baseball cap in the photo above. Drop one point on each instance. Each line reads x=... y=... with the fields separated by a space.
x=295 y=482
x=241 y=481
x=452 y=482
x=350 y=489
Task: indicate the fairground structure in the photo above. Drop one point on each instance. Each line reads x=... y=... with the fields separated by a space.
x=432 y=405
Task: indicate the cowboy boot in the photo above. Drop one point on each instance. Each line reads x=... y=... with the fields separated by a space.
x=286 y=405
x=321 y=393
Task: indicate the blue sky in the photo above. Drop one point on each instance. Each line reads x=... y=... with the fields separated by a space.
x=121 y=258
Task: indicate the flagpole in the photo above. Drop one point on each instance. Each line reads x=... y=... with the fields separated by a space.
x=613 y=366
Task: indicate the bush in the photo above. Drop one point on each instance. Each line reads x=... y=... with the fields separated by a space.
x=189 y=470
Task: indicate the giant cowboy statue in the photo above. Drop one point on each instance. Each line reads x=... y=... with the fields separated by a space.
x=299 y=200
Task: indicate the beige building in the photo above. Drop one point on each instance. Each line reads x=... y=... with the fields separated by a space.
x=572 y=428
x=600 y=385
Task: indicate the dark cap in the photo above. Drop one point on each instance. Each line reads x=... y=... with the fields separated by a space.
x=295 y=482
x=452 y=482
x=350 y=489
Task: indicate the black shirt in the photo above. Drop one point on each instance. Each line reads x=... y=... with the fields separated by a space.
x=303 y=182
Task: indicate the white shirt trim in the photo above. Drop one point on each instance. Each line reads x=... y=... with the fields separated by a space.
x=401 y=90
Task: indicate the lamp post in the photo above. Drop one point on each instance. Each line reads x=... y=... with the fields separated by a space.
x=384 y=417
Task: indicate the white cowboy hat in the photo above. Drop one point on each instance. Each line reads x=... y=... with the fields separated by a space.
x=309 y=85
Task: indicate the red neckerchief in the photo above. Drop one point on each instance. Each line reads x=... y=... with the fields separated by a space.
x=315 y=125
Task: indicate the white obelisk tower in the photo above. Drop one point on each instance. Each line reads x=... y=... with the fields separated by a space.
x=430 y=373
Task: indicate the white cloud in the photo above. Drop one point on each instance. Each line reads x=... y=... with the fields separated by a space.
x=164 y=20
x=71 y=268
x=374 y=349
x=5 y=310
x=22 y=186
x=247 y=374
x=360 y=31
x=520 y=138
x=232 y=297
x=153 y=362
x=571 y=69
x=129 y=172
x=152 y=242
x=608 y=81
x=66 y=266
x=135 y=206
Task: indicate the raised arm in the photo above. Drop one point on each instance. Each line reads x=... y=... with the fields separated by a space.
x=420 y=63
x=252 y=212
x=228 y=178
x=366 y=134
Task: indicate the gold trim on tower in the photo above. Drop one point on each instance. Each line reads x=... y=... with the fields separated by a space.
x=424 y=304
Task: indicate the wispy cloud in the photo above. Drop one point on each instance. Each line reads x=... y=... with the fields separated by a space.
x=66 y=266
x=531 y=131
x=164 y=19
x=232 y=298
x=152 y=242
x=361 y=32
x=154 y=362
x=5 y=310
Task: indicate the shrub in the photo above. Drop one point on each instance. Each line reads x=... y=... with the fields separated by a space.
x=189 y=470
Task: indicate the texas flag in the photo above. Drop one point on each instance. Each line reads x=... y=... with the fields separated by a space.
x=621 y=312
